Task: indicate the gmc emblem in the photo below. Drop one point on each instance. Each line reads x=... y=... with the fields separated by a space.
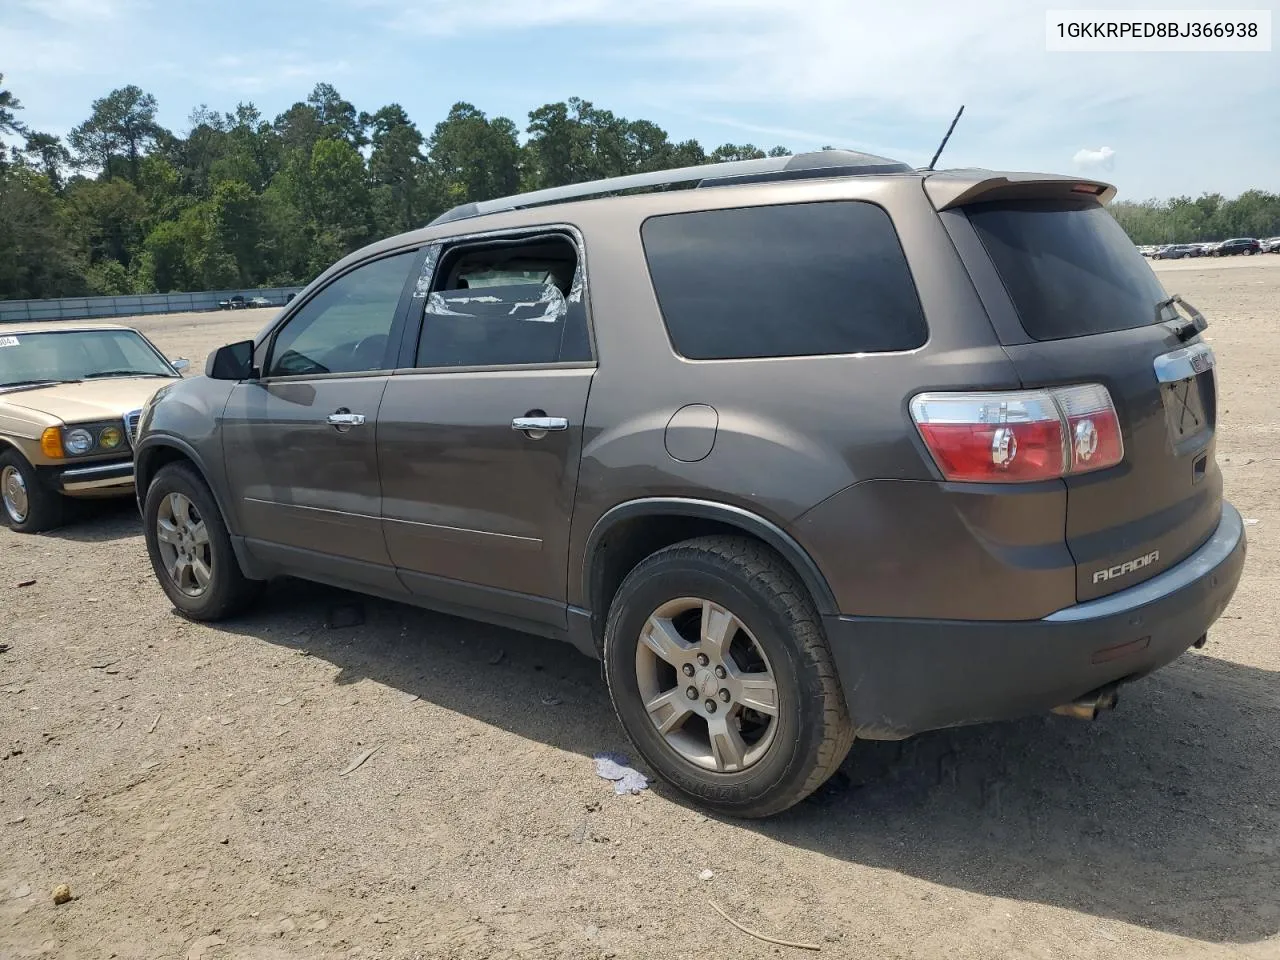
x=1129 y=566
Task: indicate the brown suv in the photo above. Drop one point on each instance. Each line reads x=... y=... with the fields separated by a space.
x=819 y=447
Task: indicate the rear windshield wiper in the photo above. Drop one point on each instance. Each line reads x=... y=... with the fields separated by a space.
x=1186 y=330
x=123 y=373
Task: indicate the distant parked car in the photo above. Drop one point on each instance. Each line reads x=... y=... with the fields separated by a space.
x=1174 y=251
x=233 y=303
x=1206 y=249
x=1246 y=246
x=259 y=302
x=1270 y=245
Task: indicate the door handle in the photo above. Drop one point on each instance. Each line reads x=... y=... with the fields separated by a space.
x=344 y=419
x=539 y=424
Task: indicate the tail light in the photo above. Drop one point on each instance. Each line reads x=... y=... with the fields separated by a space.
x=1020 y=435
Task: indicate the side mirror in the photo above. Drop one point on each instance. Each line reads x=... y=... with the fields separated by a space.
x=180 y=363
x=232 y=362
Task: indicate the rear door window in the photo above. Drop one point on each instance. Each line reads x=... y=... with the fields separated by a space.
x=506 y=303
x=783 y=281
x=1070 y=269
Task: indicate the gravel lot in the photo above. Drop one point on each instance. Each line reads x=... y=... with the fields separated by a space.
x=184 y=780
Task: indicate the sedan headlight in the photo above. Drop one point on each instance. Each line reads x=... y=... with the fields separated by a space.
x=110 y=438
x=78 y=441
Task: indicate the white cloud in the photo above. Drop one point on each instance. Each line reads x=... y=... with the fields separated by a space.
x=80 y=11
x=893 y=73
x=1103 y=158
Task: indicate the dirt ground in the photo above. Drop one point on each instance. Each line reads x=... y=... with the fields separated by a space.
x=185 y=780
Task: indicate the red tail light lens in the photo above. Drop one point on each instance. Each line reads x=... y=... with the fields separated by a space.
x=1019 y=436
x=1093 y=430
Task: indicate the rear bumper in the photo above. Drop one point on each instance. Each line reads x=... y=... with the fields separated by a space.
x=903 y=676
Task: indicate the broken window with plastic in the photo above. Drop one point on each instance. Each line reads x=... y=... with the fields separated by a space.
x=506 y=308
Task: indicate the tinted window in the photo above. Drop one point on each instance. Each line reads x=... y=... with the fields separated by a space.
x=514 y=302
x=1069 y=267
x=783 y=281
x=345 y=328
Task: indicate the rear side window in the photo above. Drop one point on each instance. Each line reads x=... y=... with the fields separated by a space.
x=783 y=281
x=1070 y=269
x=505 y=303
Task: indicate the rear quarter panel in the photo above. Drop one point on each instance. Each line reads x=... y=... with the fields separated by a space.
x=792 y=432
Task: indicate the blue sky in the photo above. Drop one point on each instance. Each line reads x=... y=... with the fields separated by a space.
x=884 y=77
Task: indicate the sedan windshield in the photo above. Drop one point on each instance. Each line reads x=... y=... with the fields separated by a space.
x=28 y=359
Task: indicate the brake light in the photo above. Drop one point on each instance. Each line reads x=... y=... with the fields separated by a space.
x=1019 y=436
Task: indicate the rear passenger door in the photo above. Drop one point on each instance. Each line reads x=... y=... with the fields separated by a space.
x=480 y=431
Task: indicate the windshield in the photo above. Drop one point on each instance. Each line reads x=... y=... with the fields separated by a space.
x=1068 y=266
x=54 y=356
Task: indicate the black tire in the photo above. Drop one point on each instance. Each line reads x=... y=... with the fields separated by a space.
x=46 y=508
x=229 y=591
x=813 y=732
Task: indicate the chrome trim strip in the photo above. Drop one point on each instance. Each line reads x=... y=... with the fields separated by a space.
x=96 y=469
x=1214 y=551
x=125 y=482
x=1184 y=363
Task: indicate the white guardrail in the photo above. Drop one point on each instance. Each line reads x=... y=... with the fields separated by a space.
x=95 y=308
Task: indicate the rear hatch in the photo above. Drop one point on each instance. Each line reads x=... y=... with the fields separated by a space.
x=1088 y=309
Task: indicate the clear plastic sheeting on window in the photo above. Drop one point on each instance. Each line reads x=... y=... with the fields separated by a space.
x=422 y=288
x=502 y=325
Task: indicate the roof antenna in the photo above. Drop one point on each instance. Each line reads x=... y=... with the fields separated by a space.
x=954 y=120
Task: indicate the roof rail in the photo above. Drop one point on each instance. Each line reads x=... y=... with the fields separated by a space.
x=822 y=163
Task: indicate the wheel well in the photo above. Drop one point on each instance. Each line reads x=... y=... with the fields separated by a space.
x=150 y=462
x=630 y=540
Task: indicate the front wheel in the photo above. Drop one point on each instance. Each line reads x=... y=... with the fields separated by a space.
x=26 y=504
x=720 y=674
x=190 y=549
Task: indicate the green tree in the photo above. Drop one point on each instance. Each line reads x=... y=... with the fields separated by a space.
x=46 y=154
x=107 y=218
x=236 y=220
x=9 y=123
x=395 y=168
x=123 y=123
x=36 y=258
x=474 y=158
x=337 y=118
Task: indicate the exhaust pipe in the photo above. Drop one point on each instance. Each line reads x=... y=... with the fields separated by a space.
x=1089 y=706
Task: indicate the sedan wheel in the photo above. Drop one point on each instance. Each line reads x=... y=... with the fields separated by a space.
x=13 y=488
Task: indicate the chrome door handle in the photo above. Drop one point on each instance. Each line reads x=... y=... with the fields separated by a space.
x=346 y=419
x=540 y=424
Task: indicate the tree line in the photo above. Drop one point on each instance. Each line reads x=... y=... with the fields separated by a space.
x=127 y=206
x=1209 y=217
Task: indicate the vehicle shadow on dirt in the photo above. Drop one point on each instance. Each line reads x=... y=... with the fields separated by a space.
x=98 y=521
x=1165 y=814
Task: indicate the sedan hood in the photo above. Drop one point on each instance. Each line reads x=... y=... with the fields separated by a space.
x=90 y=400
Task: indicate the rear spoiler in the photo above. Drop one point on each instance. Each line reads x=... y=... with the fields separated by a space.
x=956 y=188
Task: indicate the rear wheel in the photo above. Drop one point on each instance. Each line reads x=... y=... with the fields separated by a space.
x=28 y=506
x=720 y=674
x=190 y=549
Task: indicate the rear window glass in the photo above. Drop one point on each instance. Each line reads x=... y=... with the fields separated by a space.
x=1068 y=266
x=783 y=281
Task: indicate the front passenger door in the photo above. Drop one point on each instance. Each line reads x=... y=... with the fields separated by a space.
x=299 y=443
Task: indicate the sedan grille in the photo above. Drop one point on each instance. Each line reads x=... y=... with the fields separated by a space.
x=131 y=424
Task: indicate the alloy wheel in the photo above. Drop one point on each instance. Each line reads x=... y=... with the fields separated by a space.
x=183 y=539
x=707 y=685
